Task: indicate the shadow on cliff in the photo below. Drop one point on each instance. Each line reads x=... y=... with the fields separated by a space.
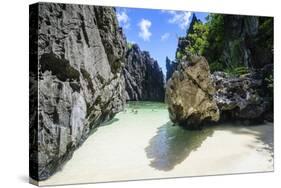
x=113 y=120
x=173 y=144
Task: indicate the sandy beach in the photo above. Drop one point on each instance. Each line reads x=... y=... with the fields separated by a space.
x=145 y=145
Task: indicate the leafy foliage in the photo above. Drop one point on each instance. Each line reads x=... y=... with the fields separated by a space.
x=265 y=37
x=215 y=38
x=269 y=81
x=236 y=71
x=204 y=39
x=210 y=39
x=129 y=45
x=179 y=55
x=198 y=39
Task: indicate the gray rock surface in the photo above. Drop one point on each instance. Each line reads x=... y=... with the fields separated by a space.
x=143 y=76
x=241 y=98
x=189 y=94
x=171 y=66
x=81 y=53
x=246 y=42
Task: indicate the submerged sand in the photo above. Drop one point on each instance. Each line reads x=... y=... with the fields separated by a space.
x=143 y=144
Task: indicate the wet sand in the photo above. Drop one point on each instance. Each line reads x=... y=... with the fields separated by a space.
x=145 y=145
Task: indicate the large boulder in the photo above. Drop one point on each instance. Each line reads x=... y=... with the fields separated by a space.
x=144 y=79
x=80 y=51
x=189 y=94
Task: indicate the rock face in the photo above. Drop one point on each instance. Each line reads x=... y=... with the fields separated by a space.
x=243 y=98
x=247 y=41
x=189 y=94
x=235 y=41
x=143 y=76
x=81 y=54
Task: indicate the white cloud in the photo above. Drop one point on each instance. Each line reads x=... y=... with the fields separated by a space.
x=123 y=19
x=144 y=26
x=165 y=36
x=180 y=18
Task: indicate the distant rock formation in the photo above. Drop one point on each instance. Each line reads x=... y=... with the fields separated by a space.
x=189 y=94
x=171 y=66
x=144 y=79
x=81 y=54
x=183 y=42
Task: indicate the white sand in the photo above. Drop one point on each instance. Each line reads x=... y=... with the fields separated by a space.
x=145 y=146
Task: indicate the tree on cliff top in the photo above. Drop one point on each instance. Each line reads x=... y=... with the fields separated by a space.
x=185 y=42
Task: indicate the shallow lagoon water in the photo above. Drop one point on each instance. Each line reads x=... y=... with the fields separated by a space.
x=142 y=143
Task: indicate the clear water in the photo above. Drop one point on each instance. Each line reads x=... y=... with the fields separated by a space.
x=142 y=143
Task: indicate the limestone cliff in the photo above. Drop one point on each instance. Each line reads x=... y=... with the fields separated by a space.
x=79 y=52
x=143 y=77
x=229 y=41
x=248 y=41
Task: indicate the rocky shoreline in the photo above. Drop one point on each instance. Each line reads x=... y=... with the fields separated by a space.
x=196 y=97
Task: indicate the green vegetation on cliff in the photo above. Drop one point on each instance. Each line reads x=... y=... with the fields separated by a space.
x=231 y=43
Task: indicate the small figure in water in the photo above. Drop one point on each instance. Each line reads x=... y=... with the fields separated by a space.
x=135 y=111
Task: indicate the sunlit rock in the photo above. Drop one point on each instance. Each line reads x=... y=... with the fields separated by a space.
x=189 y=94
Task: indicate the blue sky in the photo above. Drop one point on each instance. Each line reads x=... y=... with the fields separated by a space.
x=156 y=31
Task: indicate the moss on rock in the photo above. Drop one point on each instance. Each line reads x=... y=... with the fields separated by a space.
x=59 y=67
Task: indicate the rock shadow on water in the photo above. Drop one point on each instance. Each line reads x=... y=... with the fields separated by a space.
x=173 y=144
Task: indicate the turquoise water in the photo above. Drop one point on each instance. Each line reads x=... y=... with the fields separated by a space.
x=146 y=105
